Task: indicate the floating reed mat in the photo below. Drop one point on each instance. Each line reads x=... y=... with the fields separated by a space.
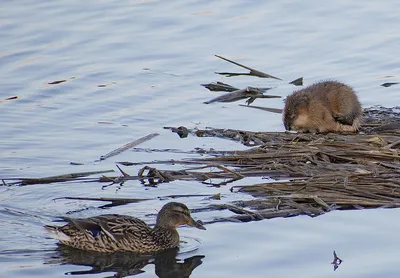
x=307 y=155
x=318 y=195
x=308 y=174
x=313 y=173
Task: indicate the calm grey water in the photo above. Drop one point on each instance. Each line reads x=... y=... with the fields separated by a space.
x=151 y=56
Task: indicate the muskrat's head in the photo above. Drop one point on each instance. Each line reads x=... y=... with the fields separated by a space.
x=295 y=112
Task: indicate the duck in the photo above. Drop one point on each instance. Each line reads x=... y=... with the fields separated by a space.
x=113 y=232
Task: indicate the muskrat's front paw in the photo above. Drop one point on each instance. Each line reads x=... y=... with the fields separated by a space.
x=342 y=119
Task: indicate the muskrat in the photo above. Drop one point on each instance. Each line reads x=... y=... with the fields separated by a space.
x=327 y=106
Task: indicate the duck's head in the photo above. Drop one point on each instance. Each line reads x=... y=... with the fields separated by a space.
x=176 y=214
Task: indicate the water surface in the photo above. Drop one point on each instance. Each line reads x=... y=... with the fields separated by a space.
x=133 y=67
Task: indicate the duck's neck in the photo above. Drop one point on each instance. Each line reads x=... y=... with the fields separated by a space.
x=167 y=235
x=165 y=228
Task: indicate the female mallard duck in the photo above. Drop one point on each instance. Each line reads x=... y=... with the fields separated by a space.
x=113 y=232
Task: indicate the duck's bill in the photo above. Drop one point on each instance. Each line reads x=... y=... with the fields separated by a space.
x=196 y=224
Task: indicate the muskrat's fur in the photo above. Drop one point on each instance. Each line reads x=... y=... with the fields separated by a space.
x=327 y=106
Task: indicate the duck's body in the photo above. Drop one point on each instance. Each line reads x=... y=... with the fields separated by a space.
x=113 y=232
x=327 y=106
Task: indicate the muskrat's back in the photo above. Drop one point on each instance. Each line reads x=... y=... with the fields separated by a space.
x=327 y=106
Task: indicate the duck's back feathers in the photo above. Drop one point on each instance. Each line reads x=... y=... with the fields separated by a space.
x=111 y=224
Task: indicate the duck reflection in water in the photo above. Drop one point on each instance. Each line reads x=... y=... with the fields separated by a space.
x=126 y=264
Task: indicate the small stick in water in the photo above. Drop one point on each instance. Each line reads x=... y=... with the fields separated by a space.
x=297 y=82
x=252 y=71
x=249 y=92
x=336 y=261
x=268 y=109
x=128 y=146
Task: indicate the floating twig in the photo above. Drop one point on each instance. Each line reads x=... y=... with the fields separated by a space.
x=123 y=201
x=336 y=261
x=268 y=109
x=249 y=92
x=60 y=178
x=297 y=82
x=56 y=82
x=219 y=86
x=9 y=98
x=129 y=145
x=236 y=174
x=388 y=84
x=182 y=131
x=252 y=72
x=123 y=172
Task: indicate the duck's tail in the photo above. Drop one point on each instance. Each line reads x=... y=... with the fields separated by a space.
x=56 y=233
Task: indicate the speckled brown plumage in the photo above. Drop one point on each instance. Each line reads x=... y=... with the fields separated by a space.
x=113 y=232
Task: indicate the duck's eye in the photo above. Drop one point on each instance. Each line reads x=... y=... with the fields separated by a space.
x=181 y=211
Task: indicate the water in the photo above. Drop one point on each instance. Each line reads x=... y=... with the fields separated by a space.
x=151 y=56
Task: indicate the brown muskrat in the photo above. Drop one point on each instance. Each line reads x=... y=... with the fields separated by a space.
x=327 y=106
